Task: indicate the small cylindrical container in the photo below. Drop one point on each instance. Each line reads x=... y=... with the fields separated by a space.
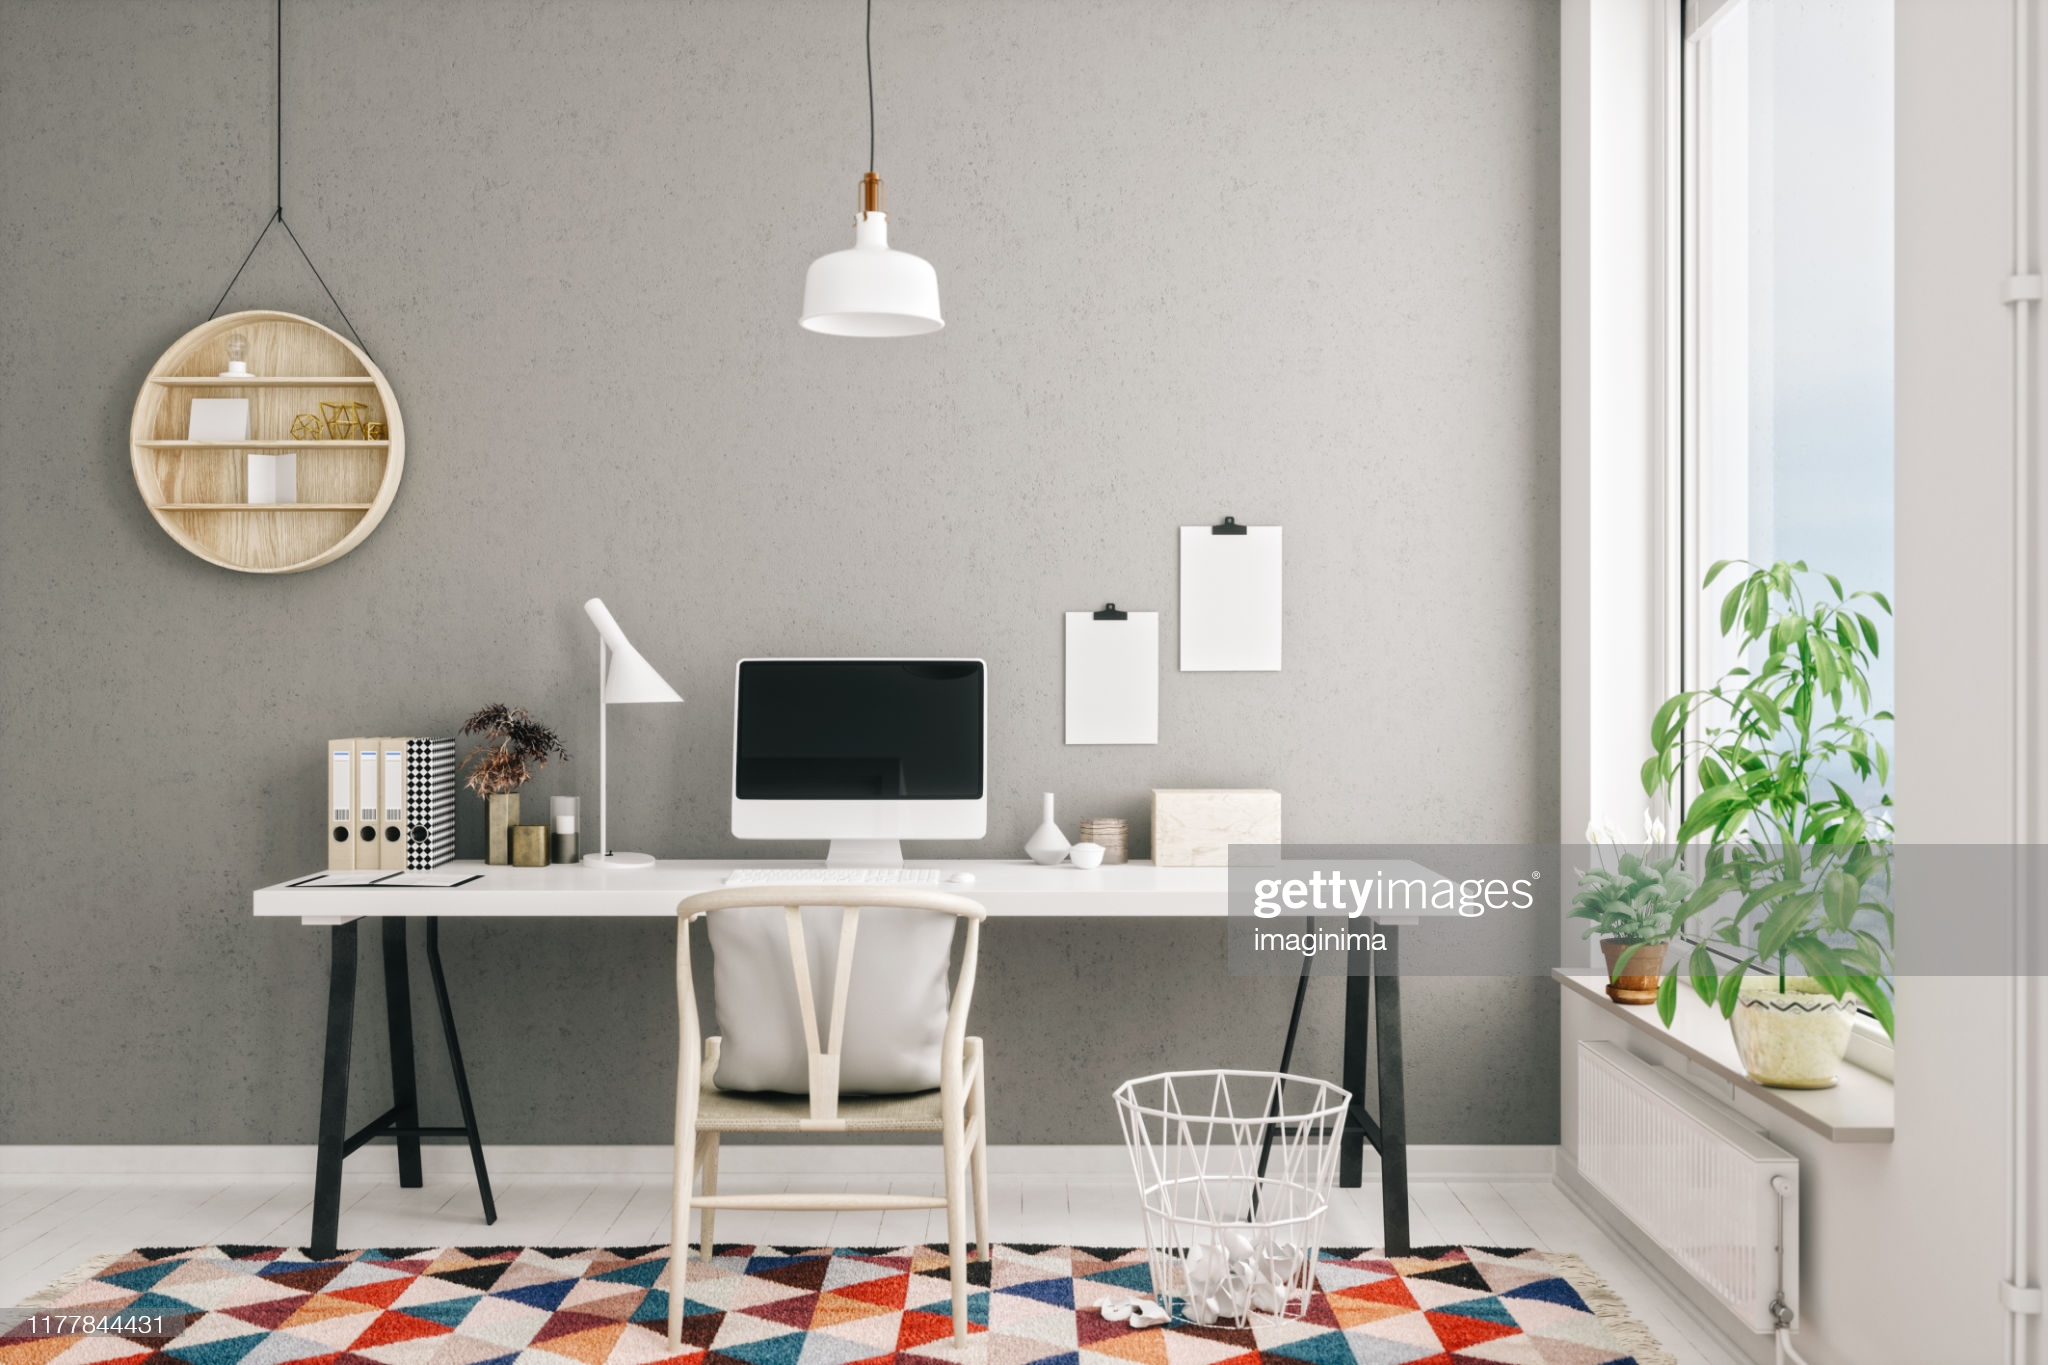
x=566 y=835
x=1110 y=831
x=529 y=845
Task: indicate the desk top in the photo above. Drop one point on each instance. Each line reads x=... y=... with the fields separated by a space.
x=573 y=890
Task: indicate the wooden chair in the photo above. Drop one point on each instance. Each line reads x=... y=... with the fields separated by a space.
x=957 y=1110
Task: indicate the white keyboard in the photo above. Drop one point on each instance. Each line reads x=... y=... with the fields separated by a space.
x=834 y=876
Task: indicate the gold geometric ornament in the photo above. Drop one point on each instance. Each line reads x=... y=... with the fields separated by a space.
x=345 y=421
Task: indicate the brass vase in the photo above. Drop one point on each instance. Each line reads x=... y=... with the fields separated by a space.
x=504 y=813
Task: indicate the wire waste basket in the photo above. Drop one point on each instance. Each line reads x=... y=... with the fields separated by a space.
x=1234 y=1172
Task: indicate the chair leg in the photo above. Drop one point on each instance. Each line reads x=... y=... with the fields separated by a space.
x=707 y=1157
x=956 y=1241
x=978 y=1169
x=679 y=1233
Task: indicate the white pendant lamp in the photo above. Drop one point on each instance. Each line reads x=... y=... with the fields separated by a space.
x=871 y=291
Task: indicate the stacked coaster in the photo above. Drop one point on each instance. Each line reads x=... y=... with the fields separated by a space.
x=1112 y=833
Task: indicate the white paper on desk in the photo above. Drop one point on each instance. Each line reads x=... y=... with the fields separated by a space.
x=1113 y=679
x=343 y=879
x=428 y=878
x=1230 y=601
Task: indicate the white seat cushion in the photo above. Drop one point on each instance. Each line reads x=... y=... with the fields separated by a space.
x=895 y=1008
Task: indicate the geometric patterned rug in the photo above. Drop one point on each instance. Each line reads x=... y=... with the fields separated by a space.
x=1030 y=1305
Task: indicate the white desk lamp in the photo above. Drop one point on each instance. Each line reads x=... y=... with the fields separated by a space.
x=622 y=676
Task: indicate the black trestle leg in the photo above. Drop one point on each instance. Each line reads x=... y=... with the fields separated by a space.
x=341 y=1019
x=405 y=1095
x=1357 y=1038
x=476 y=1142
x=1273 y=1108
x=1286 y=1059
x=1393 y=1117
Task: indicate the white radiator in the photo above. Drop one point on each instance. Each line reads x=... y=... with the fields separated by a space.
x=1692 y=1177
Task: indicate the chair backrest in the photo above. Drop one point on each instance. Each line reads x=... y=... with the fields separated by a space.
x=824 y=1049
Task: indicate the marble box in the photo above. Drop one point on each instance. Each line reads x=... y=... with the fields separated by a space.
x=1195 y=827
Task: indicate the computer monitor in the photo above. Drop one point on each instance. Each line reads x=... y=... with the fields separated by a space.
x=863 y=752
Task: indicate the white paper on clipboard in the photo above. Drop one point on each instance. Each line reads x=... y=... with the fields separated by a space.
x=1230 y=600
x=1113 y=679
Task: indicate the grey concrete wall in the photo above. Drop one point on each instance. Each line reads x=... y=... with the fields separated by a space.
x=1292 y=262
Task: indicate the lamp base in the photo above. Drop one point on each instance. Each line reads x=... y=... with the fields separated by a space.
x=618 y=861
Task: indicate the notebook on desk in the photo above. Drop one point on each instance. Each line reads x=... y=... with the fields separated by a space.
x=359 y=880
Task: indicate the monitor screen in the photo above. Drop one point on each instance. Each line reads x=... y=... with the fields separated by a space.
x=859 y=730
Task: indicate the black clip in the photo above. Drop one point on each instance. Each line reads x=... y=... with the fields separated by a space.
x=1228 y=527
x=1110 y=613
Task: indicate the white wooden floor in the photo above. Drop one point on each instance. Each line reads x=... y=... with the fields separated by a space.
x=47 y=1227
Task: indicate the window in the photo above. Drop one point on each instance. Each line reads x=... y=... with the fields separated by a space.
x=1787 y=316
x=1788 y=307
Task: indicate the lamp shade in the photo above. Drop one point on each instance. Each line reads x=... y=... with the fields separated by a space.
x=628 y=677
x=631 y=678
x=871 y=291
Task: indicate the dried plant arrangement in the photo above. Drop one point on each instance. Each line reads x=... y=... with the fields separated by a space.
x=515 y=747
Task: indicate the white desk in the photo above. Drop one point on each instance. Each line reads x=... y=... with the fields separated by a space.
x=1020 y=888
x=1008 y=889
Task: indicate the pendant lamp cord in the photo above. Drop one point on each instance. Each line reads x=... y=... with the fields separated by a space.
x=276 y=218
x=871 y=87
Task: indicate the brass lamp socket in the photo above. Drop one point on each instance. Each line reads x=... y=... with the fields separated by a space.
x=870 y=194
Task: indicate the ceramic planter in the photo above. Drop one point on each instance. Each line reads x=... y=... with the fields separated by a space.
x=504 y=813
x=1792 y=1040
x=1643 y=974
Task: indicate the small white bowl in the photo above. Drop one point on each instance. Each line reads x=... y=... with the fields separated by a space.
x=1086 y=855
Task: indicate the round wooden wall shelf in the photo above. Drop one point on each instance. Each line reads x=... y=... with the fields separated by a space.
x=198 y=491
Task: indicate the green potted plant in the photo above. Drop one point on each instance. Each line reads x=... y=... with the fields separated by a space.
x=514 y=747
x=1634 y=907
x=1798 y=866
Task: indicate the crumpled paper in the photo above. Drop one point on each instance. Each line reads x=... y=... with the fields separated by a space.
x=1231 y=1279
x=1138 y=1312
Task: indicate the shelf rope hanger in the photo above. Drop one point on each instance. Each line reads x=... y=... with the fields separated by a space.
x=276 y=218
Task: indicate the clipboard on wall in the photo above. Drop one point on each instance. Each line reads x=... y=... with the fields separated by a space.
x=1230 y=598
x=1112 y=679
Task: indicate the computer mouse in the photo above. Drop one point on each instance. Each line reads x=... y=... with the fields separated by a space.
x=962 y=878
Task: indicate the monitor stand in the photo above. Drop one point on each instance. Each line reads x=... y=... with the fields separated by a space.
x=865 y=853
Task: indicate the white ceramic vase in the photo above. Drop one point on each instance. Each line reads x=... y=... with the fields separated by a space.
x=1047 y=845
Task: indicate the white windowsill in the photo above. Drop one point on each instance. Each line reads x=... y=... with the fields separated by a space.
x=1869 y=1048
x=1859 y=1109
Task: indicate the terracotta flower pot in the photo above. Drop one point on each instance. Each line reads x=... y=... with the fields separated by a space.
x=1791 y=1039
x=1644 y=973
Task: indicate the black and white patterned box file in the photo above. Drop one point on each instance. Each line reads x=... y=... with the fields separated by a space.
x=429 y=803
